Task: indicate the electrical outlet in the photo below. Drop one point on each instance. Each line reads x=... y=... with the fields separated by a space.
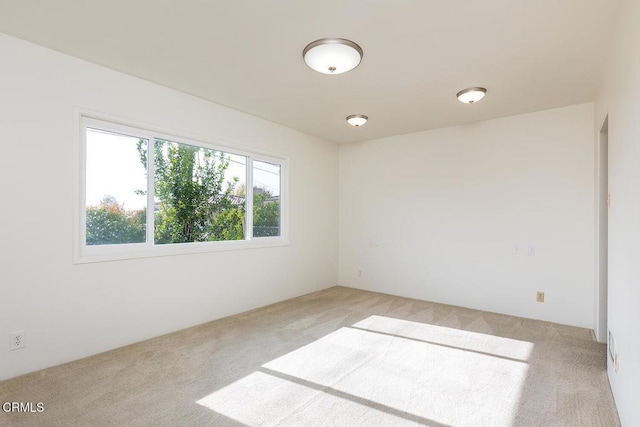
x=540 y=296
x=359 y=273
x=18 y=340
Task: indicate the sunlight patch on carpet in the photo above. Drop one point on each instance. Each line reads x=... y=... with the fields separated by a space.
x=384 y=371
x=473 y=341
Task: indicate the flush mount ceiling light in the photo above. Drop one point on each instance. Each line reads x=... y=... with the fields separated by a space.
x=471 y=95
x=332 y=56
x=357 y=120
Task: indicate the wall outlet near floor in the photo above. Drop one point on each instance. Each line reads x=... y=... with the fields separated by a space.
x=18 y=340
x=540 y=296
x=359 y=273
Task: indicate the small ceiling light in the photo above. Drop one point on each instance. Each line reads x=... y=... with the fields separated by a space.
x=471 y=95
x=357 y=120
x=332 y=56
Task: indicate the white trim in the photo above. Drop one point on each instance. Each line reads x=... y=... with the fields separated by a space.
x=151 y=205
x=219 y=144
x=78 y=181
x=83 y=253
x=600 y=333
x=284 y=201
x=142 y=250
x=248 y=200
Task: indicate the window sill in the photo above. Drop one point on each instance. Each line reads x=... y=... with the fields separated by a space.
x=104 y=253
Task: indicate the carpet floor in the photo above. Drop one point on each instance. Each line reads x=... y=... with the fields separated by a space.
x=338 y=357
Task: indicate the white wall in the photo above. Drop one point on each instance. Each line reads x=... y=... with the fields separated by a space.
x=436 y=215
x=71 y=311
x=620 y=99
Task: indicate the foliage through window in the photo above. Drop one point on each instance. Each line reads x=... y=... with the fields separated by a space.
x=195 y=193
x=266 y=199
x=115 y=208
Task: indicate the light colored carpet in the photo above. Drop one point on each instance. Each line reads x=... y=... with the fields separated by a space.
x=339 y=357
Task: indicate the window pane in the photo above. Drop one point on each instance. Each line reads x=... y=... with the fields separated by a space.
x=266 y=199
x=116 y=182
x=199 y=194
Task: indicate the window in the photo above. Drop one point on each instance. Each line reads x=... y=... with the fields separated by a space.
x=145 y=193
x=115 y=209
x=266 y=199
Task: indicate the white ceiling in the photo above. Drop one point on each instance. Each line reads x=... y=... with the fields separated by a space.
x=247 y=54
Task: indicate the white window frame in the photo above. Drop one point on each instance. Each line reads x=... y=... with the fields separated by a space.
x=84 y=253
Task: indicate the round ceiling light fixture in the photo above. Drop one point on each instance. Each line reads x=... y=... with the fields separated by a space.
x=357 y=120
x=332 y=56
x=471 y=95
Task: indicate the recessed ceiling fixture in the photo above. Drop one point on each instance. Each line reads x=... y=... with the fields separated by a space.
x=357 y=120
x=332 y=56
x=471 y=95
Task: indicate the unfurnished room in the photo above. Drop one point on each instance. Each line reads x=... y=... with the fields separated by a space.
x=320 y=213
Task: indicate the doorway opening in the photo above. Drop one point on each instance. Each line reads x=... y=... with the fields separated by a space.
x=603 y=203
